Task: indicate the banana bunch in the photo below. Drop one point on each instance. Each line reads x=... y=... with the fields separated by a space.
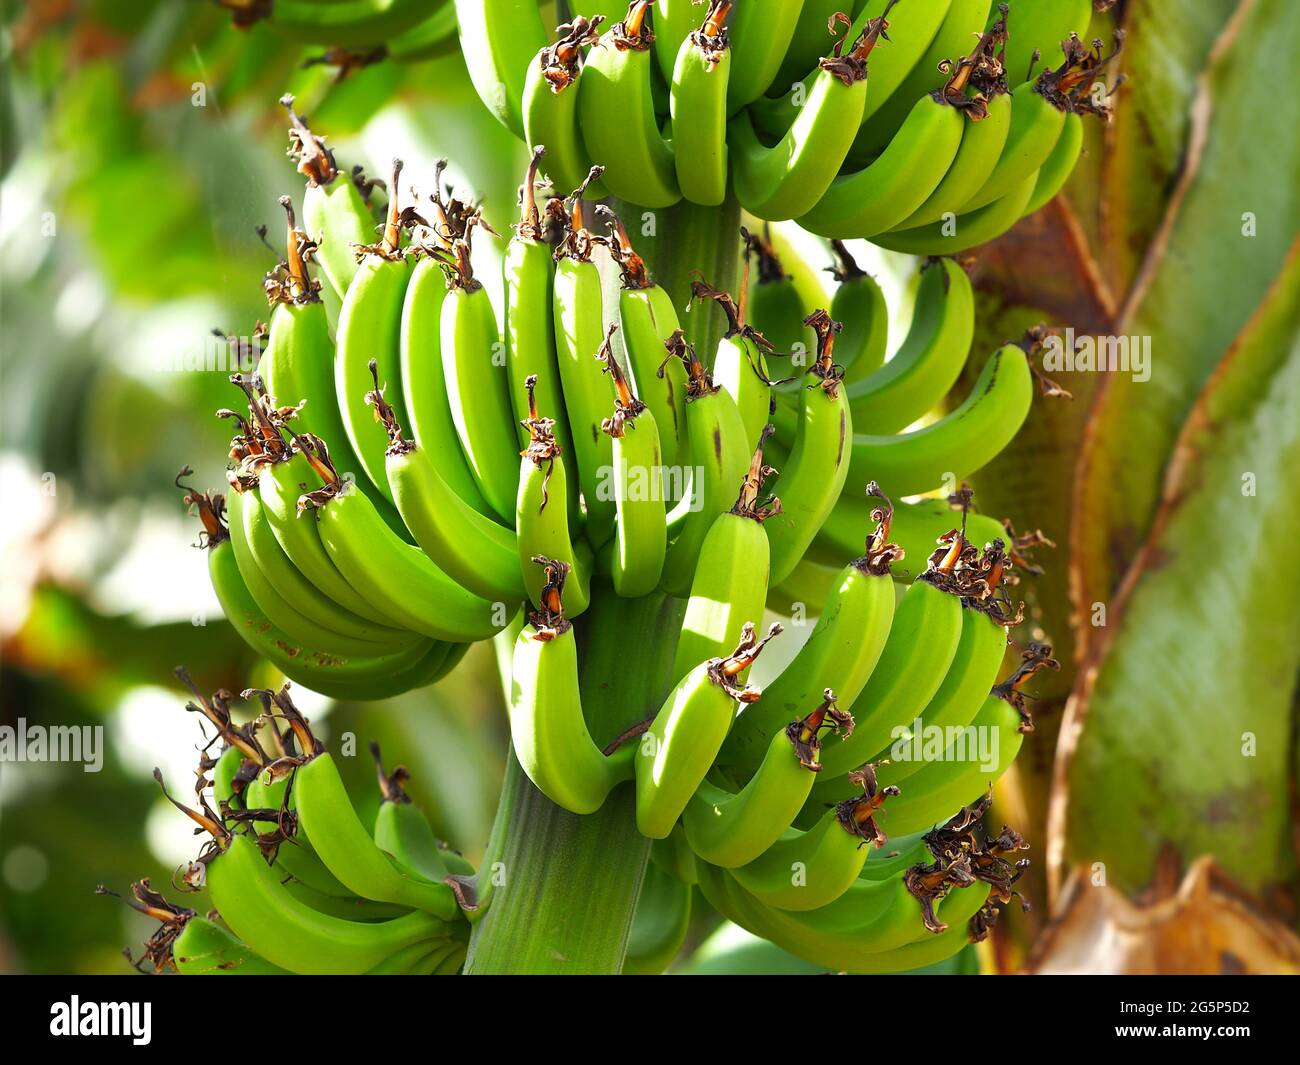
x=891 y=125
x=356 y=32
x=299 y=883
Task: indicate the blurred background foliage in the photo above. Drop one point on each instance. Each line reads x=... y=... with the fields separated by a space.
x=140 y=146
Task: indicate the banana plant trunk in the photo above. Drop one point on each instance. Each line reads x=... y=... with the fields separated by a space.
x=559 y=891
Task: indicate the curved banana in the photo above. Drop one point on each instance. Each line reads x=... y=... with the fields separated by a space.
x=352 y=24
x=957 y=233
x=931 y=357
x=698 y=101
x=404 y=832
x=898 y=181
x=921 y=644
x=547 y=728
x=731 y=830
x=959 y=443
x=760 y=31
x=675 y=753
x=579 y=332
x=335 y=215
x=287 y=933
x=859 y=306
x=1037 y=30
x=840 y=654
x=370 y=328
x=730 y=583
x=497 y=39
x=640 y=531
x=397 y=578
x=550 y=107
x=740 y=365
x=813 y=477
x=718 y=457
x=477 y=386
x=617 y=115
x=647 y=318
x=428 y=405
x=1036 y=125
x=788 y=179
x=660 y=923
x=808 y=41
x=1059 y=166
x=204 y=948
x=542 y=526
x=773 y=305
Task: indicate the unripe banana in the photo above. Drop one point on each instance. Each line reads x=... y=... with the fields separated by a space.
x=206 y=949
x=1036 y=31
x=730 y=830
x=730 y=583
x=676 y=751
x=1059 y=166
x=813 y=477
x=617 y=114
x=760 y=32
x=718 y=455
x=541 y=518
x=547 y=728
x=551 y=106
x=641 y=533
x=660 y=923
x=773 y=304
x=953 y=235
x=370 y=328
x=840 y=654
x=699 y=107
x=859 y=306
x=959 y=443
x=498 y=38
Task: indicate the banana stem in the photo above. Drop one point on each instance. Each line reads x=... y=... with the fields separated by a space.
x=560 y=890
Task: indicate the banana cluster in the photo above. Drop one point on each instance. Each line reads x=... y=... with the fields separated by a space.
x=356 y=32
x=478 y=484
x=927 y=127
x=300 y=884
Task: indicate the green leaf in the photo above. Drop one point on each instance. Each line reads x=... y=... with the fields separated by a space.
x=1186 y=724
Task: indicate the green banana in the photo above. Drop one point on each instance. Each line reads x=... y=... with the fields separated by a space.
x=1036 y=125
x=370 y=328
x=740 y=364
x=760 y=32
x=675 y=753
x=348 y=851
x=547 y=728
x=964 y=20
x=731 y=830
x=1037 y=30
x=204 y=948
x=292 y=602
x=258 y=909
x=813 y=477
x=959 y=443
x=478 y=387
x=788 y=179
x=700 y=88
x=907 y=37
x=497 y=39
x=428 y=405
x=922 y=642
x=841 y=652
x=335 y=215
x=640 y=533
x=433 y=38
x=542 y=527
x=550 y=105
x=974 y=668
x=807 y=43
x=1059 y=166
x=279 y=486
x=898 y=181
x=773 y=305
x=353 y=24
x=475 y=551
x=673 y=22
x=395 y=577
x=730 y=583
x=660 y=923
x=579 y=332
x=930 y=360
x=403 y=831
x=957 y=233
x=859 y=306
x=718 y=454
x=617 y=115
x=647 y=319
x=981 y=147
